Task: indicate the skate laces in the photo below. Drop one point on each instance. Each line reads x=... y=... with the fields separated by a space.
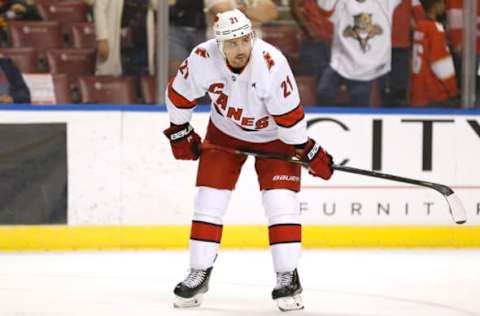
x=195 y=278
x=284 y=279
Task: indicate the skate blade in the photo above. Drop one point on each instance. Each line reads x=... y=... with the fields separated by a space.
x=290 y=303
x=181 y=302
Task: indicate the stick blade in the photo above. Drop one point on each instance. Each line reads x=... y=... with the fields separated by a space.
x=456 y=209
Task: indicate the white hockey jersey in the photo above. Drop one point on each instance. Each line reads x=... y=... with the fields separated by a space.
x=361 y=48
x=258 y=105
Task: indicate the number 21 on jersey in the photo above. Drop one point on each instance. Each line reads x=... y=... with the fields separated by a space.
x=287 y=87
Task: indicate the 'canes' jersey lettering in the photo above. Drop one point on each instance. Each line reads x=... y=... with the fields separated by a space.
x=260 y=104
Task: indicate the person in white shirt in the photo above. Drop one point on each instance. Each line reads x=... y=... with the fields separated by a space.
x=255 y=106
x=361 y=48
x=108 y=16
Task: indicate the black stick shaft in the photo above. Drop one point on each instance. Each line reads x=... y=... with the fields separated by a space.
x=445 y=190
x=457 y=211
x=436 y=186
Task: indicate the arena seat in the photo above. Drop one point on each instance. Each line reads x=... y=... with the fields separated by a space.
x=25 y=58
x=64 y=12
x=39 y=34
x=148 y=87
x=61 y=86
x=83 y=35
x=71 y=61
x=107 y=90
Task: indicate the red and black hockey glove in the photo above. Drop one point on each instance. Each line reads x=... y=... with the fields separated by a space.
x=184 y=141
x=319 y=161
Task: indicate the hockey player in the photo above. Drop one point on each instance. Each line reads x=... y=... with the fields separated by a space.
x=255 y=106
x=433 y=79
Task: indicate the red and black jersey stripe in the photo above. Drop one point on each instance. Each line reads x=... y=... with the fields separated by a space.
x=291 y=118
x=179 y=100
x=204 y=231
x=284 y=233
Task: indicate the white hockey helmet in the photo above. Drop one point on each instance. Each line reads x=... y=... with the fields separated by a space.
x=230 y=25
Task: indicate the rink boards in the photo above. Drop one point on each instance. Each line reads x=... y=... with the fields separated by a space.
x=125 y=190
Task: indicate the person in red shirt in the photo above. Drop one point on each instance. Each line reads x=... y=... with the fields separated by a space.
x=314 y=51
x=395 y=83
x=433 y=80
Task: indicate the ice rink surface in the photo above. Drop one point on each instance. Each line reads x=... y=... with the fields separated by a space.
x=336 y=283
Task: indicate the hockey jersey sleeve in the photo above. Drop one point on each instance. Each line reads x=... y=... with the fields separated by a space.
x=284 y=105
x=440 y=59
x=455 y=22
x=184 y=89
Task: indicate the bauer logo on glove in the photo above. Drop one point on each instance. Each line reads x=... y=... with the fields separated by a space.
x=319 y=161
x=181 y=133
x=184 y=141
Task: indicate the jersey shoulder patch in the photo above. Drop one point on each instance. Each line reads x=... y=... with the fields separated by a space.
x=202 y=52
x=268 y=60
x=202 y=56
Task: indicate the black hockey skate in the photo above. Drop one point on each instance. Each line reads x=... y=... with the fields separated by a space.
x=287 y=291
x=189 y=292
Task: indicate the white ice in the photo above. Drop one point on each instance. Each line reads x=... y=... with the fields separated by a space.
x=336 y=283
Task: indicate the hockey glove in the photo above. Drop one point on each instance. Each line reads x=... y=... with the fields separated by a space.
x=184 y=141
x=319 y=161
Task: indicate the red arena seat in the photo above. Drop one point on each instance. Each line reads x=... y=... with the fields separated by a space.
x=39 y=34
x=71 y=61
x=107 y=90
x=25 y=58
x=148 y=86
x=83 y=35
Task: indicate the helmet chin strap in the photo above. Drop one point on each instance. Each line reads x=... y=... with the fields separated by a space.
x=220 y=47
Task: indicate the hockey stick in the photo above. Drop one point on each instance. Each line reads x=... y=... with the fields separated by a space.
x=457 y=211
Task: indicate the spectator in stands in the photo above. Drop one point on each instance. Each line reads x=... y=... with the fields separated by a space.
x=314 y=54
x=258 y=11
x=18 y=10
x=361 y=48
x=114 y=17
x=187 y=30
x=107 y=16
x=14 y=10
x=395 y=83
x=433 y=80
x=134 y=54
x=13 y=88
x=89 y=4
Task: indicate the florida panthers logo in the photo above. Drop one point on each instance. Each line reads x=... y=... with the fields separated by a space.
x=363 y=30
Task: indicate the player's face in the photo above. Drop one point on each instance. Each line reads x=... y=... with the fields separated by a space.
x=237 y=51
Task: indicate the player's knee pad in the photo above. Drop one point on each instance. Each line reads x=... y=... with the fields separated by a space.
x=281 y=206
x=211 y=204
